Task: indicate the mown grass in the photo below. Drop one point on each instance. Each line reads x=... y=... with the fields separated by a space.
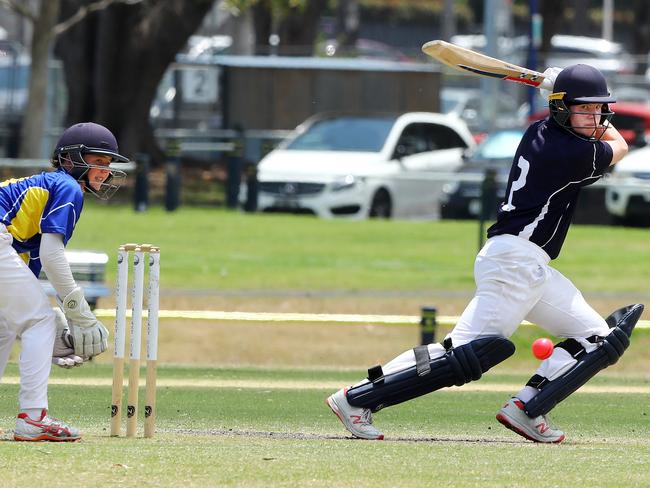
x=220 y=249
x=279 y=436
x=269 y=436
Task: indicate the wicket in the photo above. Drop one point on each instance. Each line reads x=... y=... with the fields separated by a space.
x=137 y=297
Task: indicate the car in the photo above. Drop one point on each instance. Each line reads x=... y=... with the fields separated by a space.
x=631 y=119
x=363 y=165
x=14 y=82
x=609 y=57
x=627 y=191
x=462 y=197
x=466 y=103
x=89 y=271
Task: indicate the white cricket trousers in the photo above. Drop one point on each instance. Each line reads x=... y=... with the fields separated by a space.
x=27 y=315
x=514 y=282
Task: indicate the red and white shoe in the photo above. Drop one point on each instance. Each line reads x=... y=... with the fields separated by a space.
x=44 y=429
x=537 y=429
x=357 y=420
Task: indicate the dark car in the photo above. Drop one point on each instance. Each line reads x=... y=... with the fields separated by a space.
x=461 y=198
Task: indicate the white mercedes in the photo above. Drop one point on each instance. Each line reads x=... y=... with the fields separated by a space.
x=359 y=166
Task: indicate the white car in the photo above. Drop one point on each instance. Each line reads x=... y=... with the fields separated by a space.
x=609 y=57
x=359 y=166
x=627 y=194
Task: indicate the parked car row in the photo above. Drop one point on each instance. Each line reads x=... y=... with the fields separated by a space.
x=609 y=57
x=413 y=165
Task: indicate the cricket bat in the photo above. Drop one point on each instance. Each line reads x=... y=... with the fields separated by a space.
x=475 y=63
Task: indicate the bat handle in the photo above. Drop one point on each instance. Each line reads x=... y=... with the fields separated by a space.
x=546 y=84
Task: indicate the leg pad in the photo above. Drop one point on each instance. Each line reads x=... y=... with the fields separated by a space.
x=611 y=349
x=459 y=365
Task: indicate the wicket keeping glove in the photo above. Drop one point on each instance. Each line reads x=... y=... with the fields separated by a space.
x=89 y=336
x=63 y=352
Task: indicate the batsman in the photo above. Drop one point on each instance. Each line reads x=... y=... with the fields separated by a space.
x=38 y=215
x=556 y=158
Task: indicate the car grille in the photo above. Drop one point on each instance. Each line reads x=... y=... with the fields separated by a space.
x=290 y=188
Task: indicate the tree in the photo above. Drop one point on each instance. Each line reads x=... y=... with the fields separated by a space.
x=115 y=59
x=44 y=18
x=294 y=22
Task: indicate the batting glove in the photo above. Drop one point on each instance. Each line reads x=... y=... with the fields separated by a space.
x=63 y=352
x=546 y=88
x=89 y=335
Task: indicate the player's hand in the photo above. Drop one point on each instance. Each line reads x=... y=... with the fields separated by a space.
x=546 y=88
x=89 y=336
x=63 y=352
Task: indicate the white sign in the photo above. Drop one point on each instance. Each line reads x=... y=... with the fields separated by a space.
x=200 y=85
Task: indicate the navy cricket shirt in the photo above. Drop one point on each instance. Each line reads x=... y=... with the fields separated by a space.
x=550 y=167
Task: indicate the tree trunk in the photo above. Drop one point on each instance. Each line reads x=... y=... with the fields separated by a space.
x=641 y=36
x=347 y=24
x=552 y=13
x=33 y=121
x=131 y=46
x=299 y=27
x=262 y=24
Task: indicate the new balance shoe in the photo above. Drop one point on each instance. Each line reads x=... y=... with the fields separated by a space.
x=357 y=420
x=537 y=429
x=44 y=429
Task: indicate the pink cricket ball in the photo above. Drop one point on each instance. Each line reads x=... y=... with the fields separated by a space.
x=542 y=348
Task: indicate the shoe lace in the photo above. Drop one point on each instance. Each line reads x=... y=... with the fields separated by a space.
x=366 y=417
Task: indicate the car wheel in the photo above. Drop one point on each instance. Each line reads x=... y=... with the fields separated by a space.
x=381 y=206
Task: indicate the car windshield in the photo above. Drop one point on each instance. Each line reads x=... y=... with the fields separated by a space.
x=500 y=145
x=366 y=134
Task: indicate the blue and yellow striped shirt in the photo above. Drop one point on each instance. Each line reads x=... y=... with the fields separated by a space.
x=49 y=202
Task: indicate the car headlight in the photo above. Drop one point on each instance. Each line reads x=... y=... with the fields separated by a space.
x=346 y=182
x=451 y=187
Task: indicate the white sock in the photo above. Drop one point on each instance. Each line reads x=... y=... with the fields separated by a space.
x=527 y=393
x=32 y=413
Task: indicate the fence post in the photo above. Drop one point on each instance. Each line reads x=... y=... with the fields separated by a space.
x=488 y=202
x=235 y=164
x=141 y=190
x=252 y=188
x=173 y=170
x=428 y=325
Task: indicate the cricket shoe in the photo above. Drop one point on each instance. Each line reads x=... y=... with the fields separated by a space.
x=44 y=429
x=357 y=420
x=537 y=429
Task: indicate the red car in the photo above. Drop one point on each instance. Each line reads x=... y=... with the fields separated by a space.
x=632 y=120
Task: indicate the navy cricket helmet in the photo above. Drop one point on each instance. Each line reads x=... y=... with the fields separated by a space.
x=89 y=138
x=575 y=85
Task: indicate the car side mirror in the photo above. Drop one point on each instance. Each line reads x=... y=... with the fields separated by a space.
x=404 y=148
x=400 y=152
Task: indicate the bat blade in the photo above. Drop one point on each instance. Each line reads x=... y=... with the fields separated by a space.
x=469 y=61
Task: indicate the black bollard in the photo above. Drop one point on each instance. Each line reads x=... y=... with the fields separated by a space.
x=252 y=186
x=488 y=202
x=235 y=166
x=141 y=190
x=428 y=325
x=173 y=171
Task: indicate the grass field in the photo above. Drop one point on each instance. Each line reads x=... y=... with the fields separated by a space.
x=270 y=427
x=218 y=249
x=242 y=404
